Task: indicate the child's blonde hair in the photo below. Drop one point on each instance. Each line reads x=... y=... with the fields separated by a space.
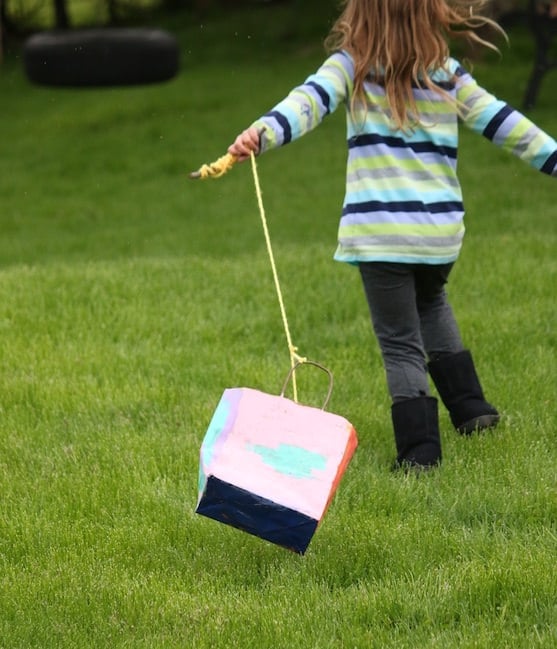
x=401 y=42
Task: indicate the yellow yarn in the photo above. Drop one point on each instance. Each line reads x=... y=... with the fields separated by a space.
x=294 y=357
x=216 y=170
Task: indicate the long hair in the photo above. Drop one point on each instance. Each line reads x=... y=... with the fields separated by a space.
x=401 y=42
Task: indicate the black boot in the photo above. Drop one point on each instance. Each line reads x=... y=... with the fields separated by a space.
x=458 y=385
x=416 y=428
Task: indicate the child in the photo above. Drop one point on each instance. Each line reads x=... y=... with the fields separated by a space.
x=402 y=217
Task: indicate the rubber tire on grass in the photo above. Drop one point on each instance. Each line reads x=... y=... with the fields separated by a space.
x=101 y=57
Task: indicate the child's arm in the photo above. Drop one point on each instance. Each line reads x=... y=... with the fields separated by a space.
x=505 y=126
x=301 y=111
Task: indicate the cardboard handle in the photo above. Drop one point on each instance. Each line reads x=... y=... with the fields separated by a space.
x=315 y=364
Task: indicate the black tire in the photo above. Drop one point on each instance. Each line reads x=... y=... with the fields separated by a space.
x=101 y=57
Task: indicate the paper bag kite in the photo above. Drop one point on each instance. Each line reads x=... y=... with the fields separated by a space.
x=270 y=466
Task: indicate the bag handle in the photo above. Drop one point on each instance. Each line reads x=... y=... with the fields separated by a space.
x=318 y=365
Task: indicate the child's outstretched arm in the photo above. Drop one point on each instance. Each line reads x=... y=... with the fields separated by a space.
x=505 y=126
x=303 y=109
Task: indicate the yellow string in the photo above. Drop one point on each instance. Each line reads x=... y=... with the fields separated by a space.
x=216 y=170
x=294 y=357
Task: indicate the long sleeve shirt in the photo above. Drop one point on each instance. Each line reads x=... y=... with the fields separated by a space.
x=403 y=200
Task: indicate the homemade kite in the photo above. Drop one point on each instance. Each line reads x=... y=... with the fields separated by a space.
x=269 y=465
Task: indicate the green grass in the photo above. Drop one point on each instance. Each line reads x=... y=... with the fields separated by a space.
x=131 y=297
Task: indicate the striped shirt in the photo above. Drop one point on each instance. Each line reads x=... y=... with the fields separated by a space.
x=403 y=200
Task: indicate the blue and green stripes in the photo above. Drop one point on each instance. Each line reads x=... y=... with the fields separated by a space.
x=403 y=200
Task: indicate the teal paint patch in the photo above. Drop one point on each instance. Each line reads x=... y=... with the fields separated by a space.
x=216 y=426
x=290 y=460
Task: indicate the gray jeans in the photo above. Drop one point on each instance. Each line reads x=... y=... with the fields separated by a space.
x=412 y=320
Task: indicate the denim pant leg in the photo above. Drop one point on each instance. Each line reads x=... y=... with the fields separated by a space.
x=440 y=333
x=391 y=295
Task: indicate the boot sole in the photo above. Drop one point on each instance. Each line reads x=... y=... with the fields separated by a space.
x=478 y=423
x=416 y=468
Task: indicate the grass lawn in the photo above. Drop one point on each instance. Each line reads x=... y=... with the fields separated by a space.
x=131 y=297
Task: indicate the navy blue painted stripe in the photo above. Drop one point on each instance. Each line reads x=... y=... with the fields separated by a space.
x=495 y=123
x=323 y=95
x=550 y=164
x=403 y=206
x=394 y=142
x=284 y=124
x=256 y=515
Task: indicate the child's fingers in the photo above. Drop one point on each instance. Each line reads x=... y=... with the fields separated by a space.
x=245 y=143
x=241 y=146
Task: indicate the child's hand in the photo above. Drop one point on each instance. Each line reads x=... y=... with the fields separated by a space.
x=245 y=143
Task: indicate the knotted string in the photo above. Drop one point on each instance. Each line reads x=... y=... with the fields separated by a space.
x=216 y=170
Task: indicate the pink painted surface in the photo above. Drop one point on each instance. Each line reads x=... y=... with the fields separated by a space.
x=291 y=454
